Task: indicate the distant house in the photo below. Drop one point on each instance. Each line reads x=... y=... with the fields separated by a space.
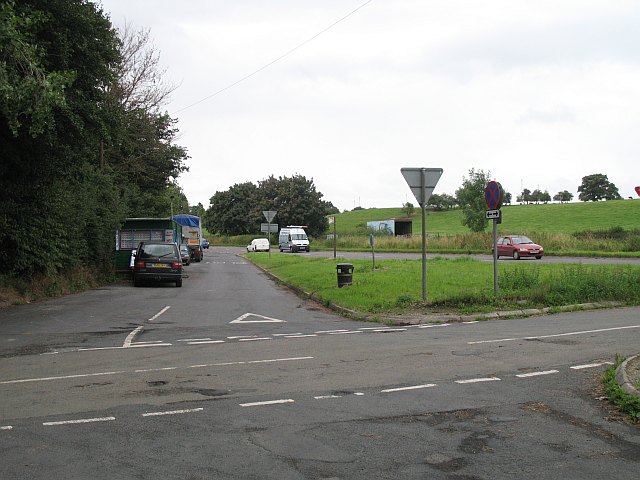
x=397 y=227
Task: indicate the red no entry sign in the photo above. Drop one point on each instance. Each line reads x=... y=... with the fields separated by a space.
x=638 y=190
x=493 y=195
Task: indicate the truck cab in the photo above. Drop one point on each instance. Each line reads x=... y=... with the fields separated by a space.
x=294 y=239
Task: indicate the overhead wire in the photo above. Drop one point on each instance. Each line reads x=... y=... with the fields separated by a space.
x=267 y=65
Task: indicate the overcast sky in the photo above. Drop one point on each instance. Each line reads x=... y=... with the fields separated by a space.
x=540 y=93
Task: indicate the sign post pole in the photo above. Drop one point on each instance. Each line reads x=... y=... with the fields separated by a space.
x=422 y=182
x=493 y=199
x=423 y=203
x=269 y=214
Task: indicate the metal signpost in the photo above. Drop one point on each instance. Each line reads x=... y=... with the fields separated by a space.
x=493 y=198
x=422 y=182
x=373 y=253
x=332 y=220
x=269 y=214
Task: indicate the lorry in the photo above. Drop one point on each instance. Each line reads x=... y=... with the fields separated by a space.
x=191 y=234
x=136 y=230
x=293 y=238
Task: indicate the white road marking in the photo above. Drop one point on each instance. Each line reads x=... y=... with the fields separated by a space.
x=372 y=328
x=331 y=331
x=85 y=375
x=204 y=342
x=6 y=427
x=301 y=336
x=469 y=323
x=159 y=313
x=536 y=374
x=194 y=339
x=160 y=369
x=286 y=334
x=435 y=325
x=129 y=340
x=326 y=397
x=385 y=330
x=62 y=377
x=345 y=333
x=359 y=394
x=133 y=345
x=478 y=380
x=49 y=353
x=271 y=402
x=590 y=365
x=241 y=336
x=81 y=420
x=263 y=319
x=172 y=412
x=254 y=339
x=582 y=332
x=414 y=387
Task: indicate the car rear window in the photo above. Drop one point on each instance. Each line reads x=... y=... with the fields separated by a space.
x=165 y=250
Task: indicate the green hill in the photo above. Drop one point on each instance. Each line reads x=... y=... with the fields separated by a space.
x=550 y=218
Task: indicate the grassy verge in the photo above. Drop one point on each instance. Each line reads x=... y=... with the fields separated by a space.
x=460 y=285
x=628 y=404
x=16 y=291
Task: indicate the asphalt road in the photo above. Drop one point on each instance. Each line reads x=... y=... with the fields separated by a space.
x=234 y=377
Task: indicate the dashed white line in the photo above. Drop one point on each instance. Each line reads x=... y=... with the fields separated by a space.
x=590 y=365
x=61 y=377
x=194 y=339
x=159 y=369
x=330 y=331
x=172 y=412
x=413 y=387
x=270 y=402
x=286 y=334
x=536 y=374
x=205 y=342
x=81 y=420
x=254 y=339
x=85 y=375
x=345 y=333
x=435 y=325
x=326 y=397
x=582 y=332
x=479 y=380
x=6 y=427
x=301 y=336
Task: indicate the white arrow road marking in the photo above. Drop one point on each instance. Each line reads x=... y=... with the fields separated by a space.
x=263 y=319
x=129 y=340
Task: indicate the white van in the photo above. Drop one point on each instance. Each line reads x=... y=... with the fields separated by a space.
x=294 y=239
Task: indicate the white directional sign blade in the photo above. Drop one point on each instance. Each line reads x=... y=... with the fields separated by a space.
x=255 y=318
x=413 y=176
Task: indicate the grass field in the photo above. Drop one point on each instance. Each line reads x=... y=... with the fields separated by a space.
x=461 y=285
x=528 y=219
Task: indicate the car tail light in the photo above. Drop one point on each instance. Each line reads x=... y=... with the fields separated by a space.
x=140 y=264
x=176 y=265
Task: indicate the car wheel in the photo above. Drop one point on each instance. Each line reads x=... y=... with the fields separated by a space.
x=516 y=255
x=179 y=282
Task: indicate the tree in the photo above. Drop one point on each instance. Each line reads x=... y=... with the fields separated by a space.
x=442 y=202
x=235 y=211
x=297 y=202
x=597 y=187
x=408 y=209
x=563 y=197
x=470 y=197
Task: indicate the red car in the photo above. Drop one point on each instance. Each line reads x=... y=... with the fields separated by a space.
x=517 y=246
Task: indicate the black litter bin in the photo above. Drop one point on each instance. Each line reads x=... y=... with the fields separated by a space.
x=345 y=274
